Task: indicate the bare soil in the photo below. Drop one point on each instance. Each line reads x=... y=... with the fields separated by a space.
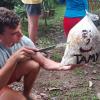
x=79 y=84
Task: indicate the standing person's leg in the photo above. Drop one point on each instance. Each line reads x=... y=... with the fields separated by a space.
x=33 y=13
x=33 y=27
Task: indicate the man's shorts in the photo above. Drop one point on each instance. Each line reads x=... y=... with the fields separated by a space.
x=69 y=23
x=33 y=9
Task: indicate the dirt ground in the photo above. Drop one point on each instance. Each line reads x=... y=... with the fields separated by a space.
x=79 y=84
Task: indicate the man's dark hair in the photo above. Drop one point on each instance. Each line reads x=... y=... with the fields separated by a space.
x=8 y=18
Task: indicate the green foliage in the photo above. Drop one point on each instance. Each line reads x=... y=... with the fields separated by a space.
x=19 y=9
x=54 y=93
x=79 y=72
x=56 y=57
x=25 y=28
x=45 y=41
x=8 y=4
x=50 y=21
x=48 y=4
x=94 y=5
x=82 y=94
x=48 y=8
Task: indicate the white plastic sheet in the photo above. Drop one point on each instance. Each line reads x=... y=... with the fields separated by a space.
x=92 y=16
x=83 y=44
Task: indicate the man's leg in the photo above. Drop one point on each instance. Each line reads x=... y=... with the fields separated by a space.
x=30 y=77
x=29 y=70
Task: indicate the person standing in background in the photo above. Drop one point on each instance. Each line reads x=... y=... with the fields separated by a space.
x=33 y=9
x=75 y=11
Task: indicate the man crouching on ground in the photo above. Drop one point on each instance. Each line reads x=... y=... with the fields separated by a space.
x=18 y=56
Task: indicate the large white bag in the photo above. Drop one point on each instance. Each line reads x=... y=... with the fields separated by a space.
x=83 y=44
x=93 y=17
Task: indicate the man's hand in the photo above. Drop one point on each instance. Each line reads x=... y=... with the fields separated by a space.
x=65 y=68
x=72 y=66
x=25 y=53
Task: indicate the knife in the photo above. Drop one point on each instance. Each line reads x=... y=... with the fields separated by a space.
x=46 y=49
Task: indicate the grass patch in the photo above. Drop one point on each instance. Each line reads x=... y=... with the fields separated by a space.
x=25 y=28
x=77 y=94
x=79 y=72
x=59 y=14
x=57 y=18
x=56 y=57
x=45 y=41
x=82 y=94
x=54 y=93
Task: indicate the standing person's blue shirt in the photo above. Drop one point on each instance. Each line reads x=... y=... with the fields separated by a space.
x=75 y=8
x=75 y=11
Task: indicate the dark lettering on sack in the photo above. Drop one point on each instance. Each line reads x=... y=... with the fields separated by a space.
x=82 y=59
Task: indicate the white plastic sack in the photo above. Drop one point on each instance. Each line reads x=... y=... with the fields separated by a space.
x=83 y=44
x=92 y=16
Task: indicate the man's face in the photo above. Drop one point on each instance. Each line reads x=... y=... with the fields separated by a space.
x=11 y=36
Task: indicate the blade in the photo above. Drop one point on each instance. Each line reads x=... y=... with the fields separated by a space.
x=46 y=49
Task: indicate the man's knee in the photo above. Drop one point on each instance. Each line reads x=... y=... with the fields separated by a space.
x=30 y=64
x=25 y=68
x=34 y=65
